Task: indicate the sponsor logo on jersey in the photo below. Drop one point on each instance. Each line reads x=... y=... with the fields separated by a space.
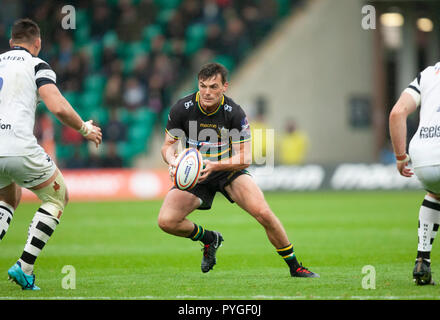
x=208 y=125
x=5 y=126
x=188 y=104
x=13 y=58
x=429 y=132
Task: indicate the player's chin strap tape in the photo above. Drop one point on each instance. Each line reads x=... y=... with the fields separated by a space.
x=53 y=197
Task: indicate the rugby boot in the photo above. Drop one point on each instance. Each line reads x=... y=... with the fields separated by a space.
x=25 y=281
x=209 y=251
x=303 y=272
x=422 y=272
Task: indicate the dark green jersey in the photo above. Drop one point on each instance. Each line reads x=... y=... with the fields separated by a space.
x=213 y=134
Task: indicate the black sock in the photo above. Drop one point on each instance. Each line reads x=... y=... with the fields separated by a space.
x=289 y=256
x=425 y=255
x=201 y=234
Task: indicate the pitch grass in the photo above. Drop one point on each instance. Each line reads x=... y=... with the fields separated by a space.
x=118 y=251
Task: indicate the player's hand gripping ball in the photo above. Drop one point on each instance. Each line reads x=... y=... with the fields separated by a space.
x=189 y=165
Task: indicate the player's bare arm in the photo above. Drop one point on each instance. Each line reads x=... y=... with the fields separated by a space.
x=169 y=152
x=241 y=159
x=397 y=121
x=62 y=109
x=169 y=149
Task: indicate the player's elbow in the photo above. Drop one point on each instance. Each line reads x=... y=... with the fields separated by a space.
x=403 y=107
x=397 y=113
x=57 y=111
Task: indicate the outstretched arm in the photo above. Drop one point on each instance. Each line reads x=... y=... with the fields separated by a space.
x=64 y=112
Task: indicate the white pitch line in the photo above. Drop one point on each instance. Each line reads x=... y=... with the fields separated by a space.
x=258 y=297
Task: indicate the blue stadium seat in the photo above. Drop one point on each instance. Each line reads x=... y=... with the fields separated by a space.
x=150 y=32
x=145 y=116
x=90 y=99
x=72 y=97
x=225 y=60
x=125 y=116
x=110 y=39
x=95 y=82
x=167 y=4
x=99 y=114
x=195 y=38
x=64 y=151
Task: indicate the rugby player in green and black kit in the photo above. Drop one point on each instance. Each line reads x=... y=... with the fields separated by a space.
x=215 y=125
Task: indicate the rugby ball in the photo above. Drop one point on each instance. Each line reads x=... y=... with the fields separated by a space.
x=189 y=164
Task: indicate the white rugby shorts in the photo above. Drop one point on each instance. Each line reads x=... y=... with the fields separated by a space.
x=27 y=171
x=429 y=176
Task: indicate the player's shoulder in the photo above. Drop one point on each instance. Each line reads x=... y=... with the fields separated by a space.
x=431 y=70
x=435 y=69
x=427 y=75
x=39 y=64
x=185 y=103
x=231 y=106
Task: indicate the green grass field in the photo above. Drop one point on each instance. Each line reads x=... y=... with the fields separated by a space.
x=118 y=251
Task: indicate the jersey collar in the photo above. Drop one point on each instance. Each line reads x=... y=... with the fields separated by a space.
x=203 y=110
x=21 y=48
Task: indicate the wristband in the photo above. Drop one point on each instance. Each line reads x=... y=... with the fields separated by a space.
x=403 y=158
x=86 y=128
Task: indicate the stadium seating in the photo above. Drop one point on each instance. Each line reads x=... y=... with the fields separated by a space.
x=141 y=122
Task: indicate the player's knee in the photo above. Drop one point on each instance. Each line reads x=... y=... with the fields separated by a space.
x=54 y=197
x=166 y=223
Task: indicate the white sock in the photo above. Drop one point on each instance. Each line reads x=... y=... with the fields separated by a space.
x=40 y=230
x=429 y=221
x=6 y=214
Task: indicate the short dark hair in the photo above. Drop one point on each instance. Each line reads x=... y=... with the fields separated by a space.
x=24 y=31
x=212 y=69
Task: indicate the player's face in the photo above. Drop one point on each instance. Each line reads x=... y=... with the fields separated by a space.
x=211 y=91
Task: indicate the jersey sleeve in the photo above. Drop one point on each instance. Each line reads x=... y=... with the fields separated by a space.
x=240 y=129
x=44 y=74
x=414 y=89
x=174 y=126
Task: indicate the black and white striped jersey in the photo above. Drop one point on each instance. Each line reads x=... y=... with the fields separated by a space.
x=424 y=147
x=21 y=74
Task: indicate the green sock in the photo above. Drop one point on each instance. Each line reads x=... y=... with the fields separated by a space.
x=201 y=234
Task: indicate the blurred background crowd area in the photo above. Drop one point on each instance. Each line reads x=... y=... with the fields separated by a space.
x=124 y=63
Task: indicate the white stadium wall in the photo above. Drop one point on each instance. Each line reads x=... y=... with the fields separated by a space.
x=309 y=69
